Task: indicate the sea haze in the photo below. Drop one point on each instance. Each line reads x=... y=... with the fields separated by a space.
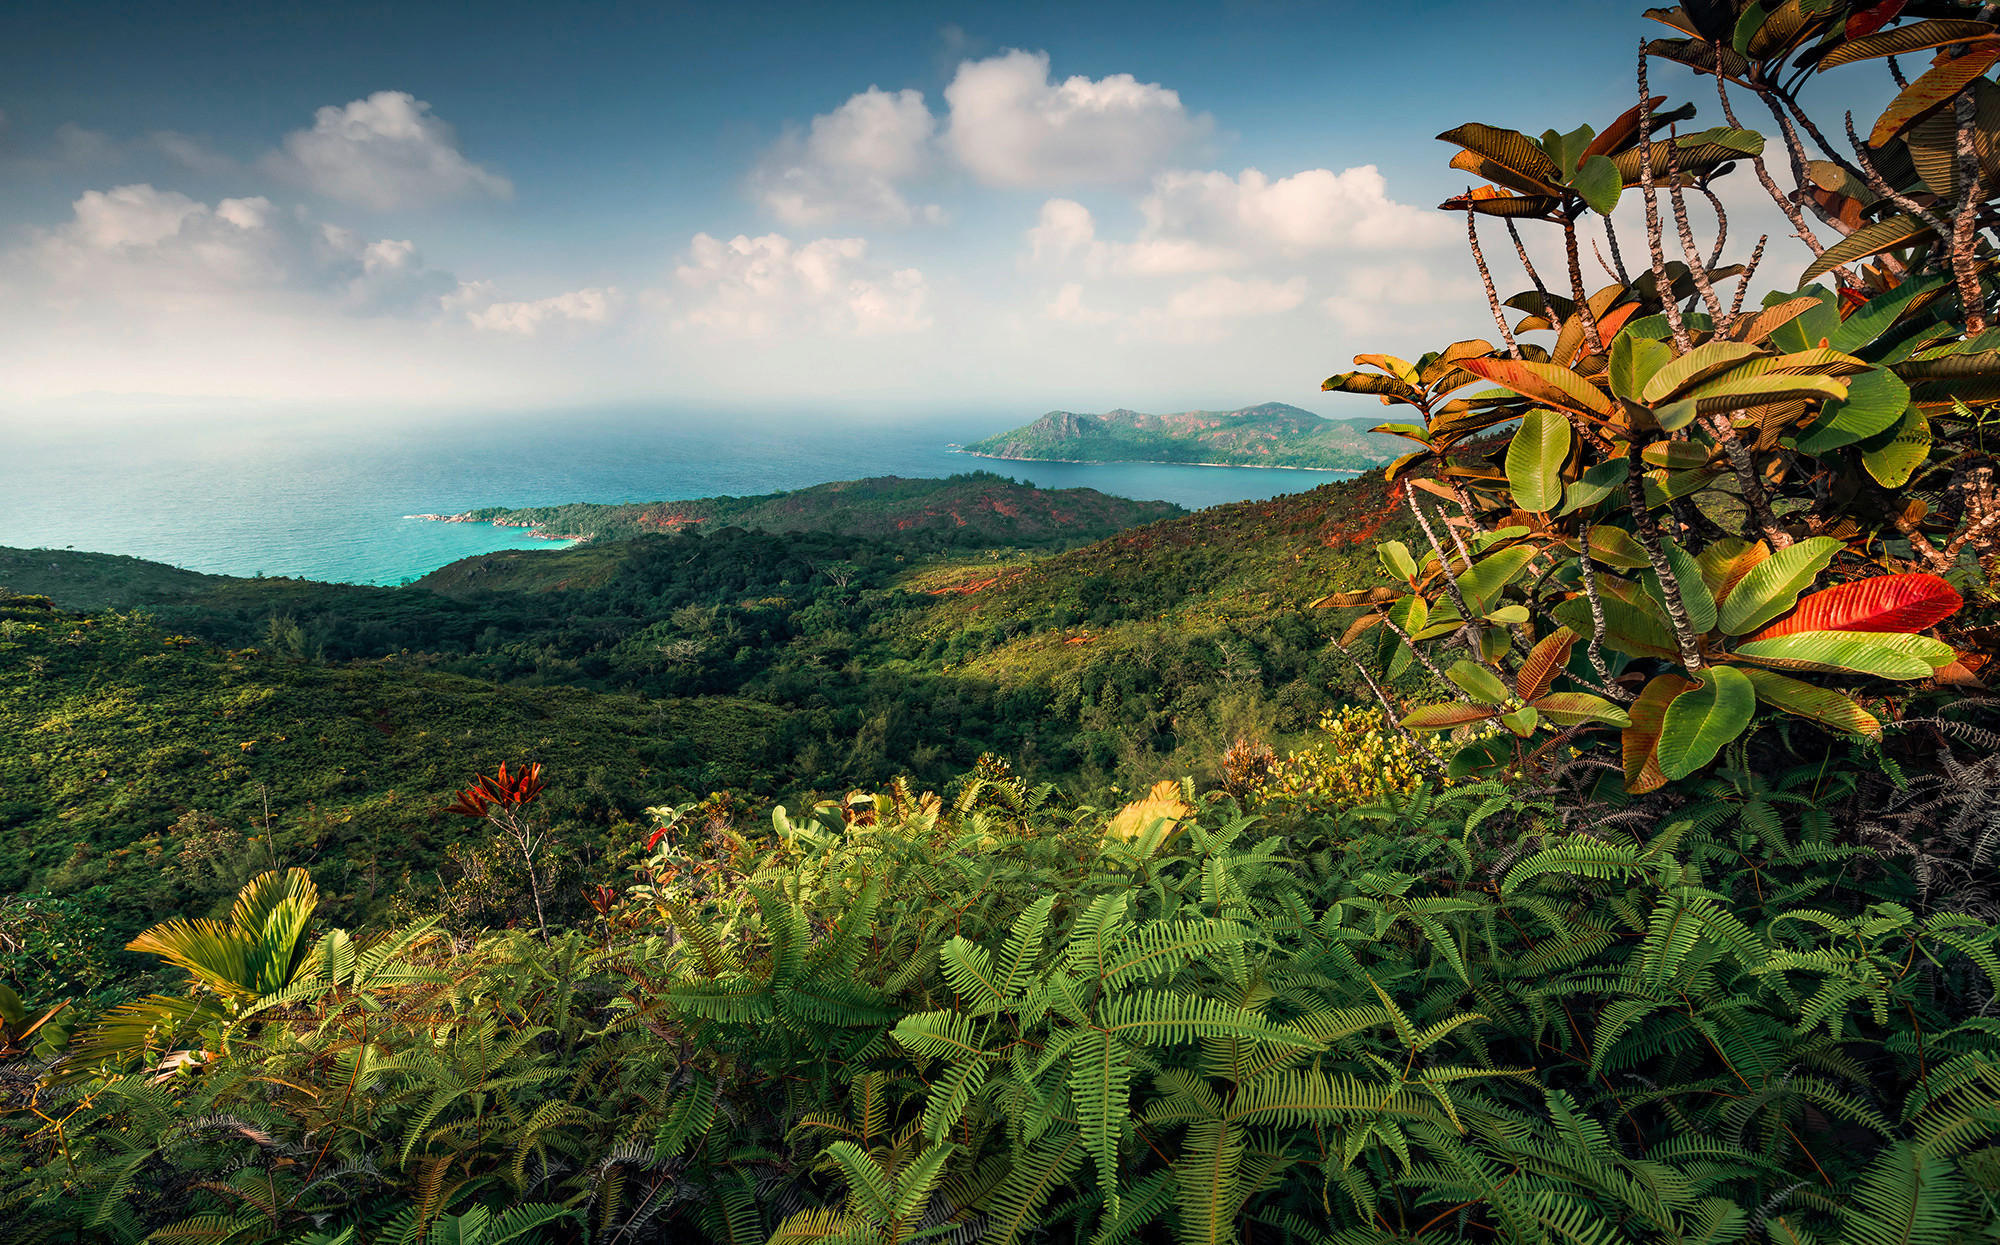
x=327 y=500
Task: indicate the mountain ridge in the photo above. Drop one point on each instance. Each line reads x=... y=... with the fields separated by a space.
x=1267 y=434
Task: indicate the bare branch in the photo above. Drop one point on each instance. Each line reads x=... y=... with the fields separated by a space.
x=1654 y=231
x=1486 y=275
x=1785 y=202
x=1647 y=528
x=1749 y=271
x=1521 y=252
x=1696 y=269
x=1964 y=262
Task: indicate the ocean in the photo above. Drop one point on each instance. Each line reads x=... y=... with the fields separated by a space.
x=329 y=499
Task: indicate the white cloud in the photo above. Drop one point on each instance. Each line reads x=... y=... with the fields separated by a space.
x=1227 y=298
x=846 y=166
x=751 y=287
x=383 y=152
x=1010 y=125
x=1065 y=231
x=1065 y=235
x=1317 y=210
x=591 y=306
x=1068 y=307
x=1369 y=295
x=160 y=249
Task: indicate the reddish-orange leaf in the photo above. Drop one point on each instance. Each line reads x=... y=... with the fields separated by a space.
x=1905 y=603
x=1642 y=738
x=1874 y=18
x=1611 y=321
x=1538 y=671
x=1546 y=383
x=1620 y=133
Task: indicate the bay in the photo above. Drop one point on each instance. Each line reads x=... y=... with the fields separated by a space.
x=328 y=497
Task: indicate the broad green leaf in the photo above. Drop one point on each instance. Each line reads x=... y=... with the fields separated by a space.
x=1773 y=585
x=1692 y=368
x=1634 y=359
x=1820 y=704
x=1395 y=558
x=1522 y=721
x=1577 y=708
x=1631 y=629
x=1674 y=416
x=1614 y=546
x=1600 y=184
x=1478 y=682
x=1656 y=328
x=1747 y=25
x=1598 y=483
x=1731 y=391
x=1886 y=654
x=1695 y=597
x=1483 y=583
x=1892 y=456
x=1412 y=614
x=1535 y=459
x=1703 y=719
x=1742 y=142
x=1865 y=242
x=1678 y=455
x=1808 y=329
x=1875 y=400
x=1873 y=318
x=1480 y=756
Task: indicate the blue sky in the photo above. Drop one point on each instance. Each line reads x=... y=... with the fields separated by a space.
x=881 y=207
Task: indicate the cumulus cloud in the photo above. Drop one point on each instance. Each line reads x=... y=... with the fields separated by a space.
x=751 y=287
x=1317 y=210
x=138 y=243
x=1010 y=125
x=383 y=152
x=1068 y=306
x=591 y=306
x=1227 y=298
x=847 y=164
x=1065 y=235
x=1366 y=291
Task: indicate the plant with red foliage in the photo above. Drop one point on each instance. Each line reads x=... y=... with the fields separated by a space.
x=498 y=799
x=500 y=788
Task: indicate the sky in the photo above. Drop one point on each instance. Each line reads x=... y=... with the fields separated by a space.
x=843 y=209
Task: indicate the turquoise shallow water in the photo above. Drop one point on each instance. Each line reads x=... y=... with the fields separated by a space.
x=325 y=499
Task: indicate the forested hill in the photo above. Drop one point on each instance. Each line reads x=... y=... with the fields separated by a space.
x=339 y=718
x=1271 y=434
x=975 y=509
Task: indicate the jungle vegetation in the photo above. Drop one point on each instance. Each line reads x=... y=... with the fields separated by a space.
x=1645 y=894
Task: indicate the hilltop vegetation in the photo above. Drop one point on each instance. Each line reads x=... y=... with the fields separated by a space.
x=335 y=720
x=1272 y=434
x=972 y=510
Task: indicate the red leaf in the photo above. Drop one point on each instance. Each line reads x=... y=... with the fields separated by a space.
x=1874 y=18
x=1905 y=603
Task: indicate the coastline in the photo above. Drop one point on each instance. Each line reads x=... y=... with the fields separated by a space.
x=533 y=531
x=1159 y=462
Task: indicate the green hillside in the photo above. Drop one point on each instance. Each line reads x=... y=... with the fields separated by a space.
x=1272 y=434
x=972 y=510
x=664 y=666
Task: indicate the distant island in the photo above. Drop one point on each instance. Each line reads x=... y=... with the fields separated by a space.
x=1271 y=434
x=976 y=508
